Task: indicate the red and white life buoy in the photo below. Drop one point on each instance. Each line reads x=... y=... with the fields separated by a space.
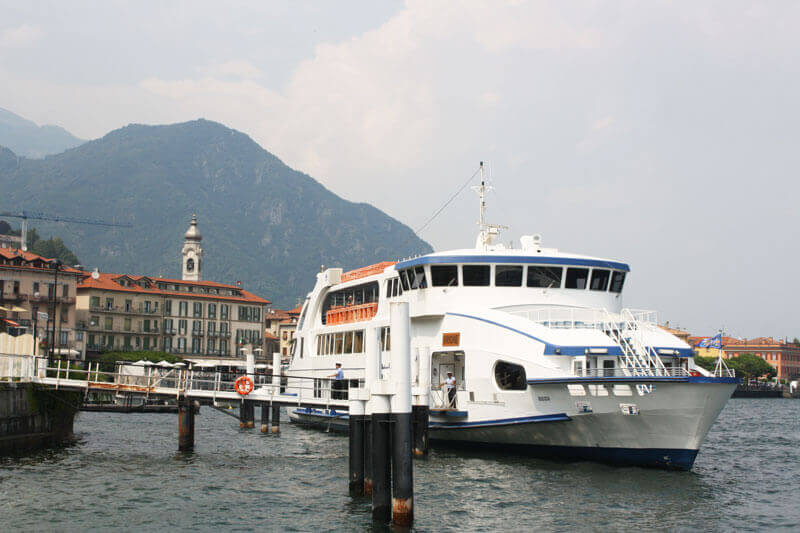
x=243 y=385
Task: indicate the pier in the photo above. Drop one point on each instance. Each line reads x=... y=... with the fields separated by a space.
x=382 y=437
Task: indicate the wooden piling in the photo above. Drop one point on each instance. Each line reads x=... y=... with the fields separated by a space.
x=250 y=413
x=381 y=466
x=276 y=418
x=185 y=425
x=242 y=415
x=420 y=415
x=401 y=434
x=368 y=455
x=356 y=436
x=264 y=417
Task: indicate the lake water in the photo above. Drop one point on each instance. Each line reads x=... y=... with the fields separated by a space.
x=124 y=473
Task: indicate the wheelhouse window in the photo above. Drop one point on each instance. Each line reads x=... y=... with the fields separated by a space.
x=444 y=275
x=422 y=281
x=545 y=277
x=510 y=376
x=476 y=275
x=508 y=276
x=576 y=278
x=617 y=281
x=404 y=280
x=599 y=279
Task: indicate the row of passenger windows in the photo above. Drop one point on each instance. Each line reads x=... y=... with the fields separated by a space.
x=341 y=342
x=596 y=279
x=345 y=342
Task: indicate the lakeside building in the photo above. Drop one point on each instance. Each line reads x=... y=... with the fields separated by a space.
x=682 y=334
x=281 y=326
x=783 y=355
x=30 y=287
x=196 y=319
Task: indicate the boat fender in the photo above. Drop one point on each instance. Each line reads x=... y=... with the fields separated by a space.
x=243 y=385
x=694 y=373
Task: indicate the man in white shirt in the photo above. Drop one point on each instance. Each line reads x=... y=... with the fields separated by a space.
x=450 y=383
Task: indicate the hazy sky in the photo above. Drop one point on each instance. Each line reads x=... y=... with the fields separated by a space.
x=663 y=134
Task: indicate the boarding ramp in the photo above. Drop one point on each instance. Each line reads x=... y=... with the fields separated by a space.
x=284 y=389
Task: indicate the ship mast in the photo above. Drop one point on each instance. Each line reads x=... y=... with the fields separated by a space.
x=488 y=232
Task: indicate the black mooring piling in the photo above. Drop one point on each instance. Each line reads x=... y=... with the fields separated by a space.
x=242 y=415
x=402 y=470
x=368 y=455
x=185 y=425
x=264 y=417
x=356 y=454
x=250 y=413
x=276 y=418
x=381 y=467
x=419 y=414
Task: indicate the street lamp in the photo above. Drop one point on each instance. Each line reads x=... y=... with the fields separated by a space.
x=55 y=264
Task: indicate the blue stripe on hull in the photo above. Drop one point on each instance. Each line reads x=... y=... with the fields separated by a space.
x=673 y=459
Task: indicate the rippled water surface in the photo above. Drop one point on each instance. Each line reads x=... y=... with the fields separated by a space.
x=125 y=474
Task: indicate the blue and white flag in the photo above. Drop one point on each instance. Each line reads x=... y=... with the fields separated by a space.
x=716 y=341
x=711 y=342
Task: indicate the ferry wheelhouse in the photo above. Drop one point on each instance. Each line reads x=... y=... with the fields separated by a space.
x=547 y=361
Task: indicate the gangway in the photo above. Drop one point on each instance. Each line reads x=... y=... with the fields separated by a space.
x=180 y=384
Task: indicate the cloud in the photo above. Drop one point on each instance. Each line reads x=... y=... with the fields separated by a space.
x=20 y=36
x=235 y=68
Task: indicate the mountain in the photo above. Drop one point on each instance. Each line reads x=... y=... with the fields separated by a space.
x=25 y=138
x=262 y=222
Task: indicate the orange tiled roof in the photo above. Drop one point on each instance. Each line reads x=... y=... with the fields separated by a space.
x=369 y=270
x=29 y=257
x=296 y=310
x=108 y=281
x=270 y=337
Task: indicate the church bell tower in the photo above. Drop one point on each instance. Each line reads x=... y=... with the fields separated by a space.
x=192 y=253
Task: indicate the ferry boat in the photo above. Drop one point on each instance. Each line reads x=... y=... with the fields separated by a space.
x=546 y=359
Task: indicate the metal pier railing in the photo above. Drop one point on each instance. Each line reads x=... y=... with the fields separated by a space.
x=281 y=389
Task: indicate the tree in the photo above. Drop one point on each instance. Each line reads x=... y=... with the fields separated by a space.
x=751 y=366
x=54 y=248
x=709 y=363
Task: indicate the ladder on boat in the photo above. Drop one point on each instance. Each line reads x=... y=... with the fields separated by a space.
x=638 y=357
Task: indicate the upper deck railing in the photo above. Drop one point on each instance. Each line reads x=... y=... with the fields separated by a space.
x=345 y=314
x=582 y=318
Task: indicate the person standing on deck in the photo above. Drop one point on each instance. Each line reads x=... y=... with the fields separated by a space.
x=450 y=383
x=338 y=383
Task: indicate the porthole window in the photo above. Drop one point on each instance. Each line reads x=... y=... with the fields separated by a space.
x=510 y=376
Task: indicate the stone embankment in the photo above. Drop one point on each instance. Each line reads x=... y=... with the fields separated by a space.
x=33 y=418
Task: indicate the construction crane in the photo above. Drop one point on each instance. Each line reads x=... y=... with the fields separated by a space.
x=25 y=215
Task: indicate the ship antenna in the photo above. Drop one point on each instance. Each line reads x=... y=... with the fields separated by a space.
x=488 y=232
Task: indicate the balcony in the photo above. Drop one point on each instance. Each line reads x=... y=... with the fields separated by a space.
x=68 y=300
x=128 y=310
x=197 y=333
x=224 y=334
x=11 y=297
x=170 y=331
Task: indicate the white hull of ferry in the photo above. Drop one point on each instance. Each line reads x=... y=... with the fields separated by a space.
x=665 y=428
